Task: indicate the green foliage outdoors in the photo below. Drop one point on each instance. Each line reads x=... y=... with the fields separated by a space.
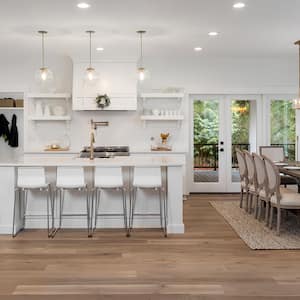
x=206 y=126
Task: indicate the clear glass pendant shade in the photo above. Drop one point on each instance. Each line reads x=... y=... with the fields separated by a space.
x=141 y=71
x=44 y=79
x=44 y=76
x=143 y=74
x=91 y=75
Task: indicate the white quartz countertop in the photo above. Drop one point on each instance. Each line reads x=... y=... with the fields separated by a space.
x=138 y=161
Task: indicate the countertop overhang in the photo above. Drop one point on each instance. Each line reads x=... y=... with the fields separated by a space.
x=128 y=161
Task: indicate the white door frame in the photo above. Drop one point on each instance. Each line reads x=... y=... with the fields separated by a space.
x=225 y=183
x=267 y=104
x=232 y=187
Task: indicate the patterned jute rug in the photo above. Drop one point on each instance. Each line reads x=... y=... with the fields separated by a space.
x=254 y=233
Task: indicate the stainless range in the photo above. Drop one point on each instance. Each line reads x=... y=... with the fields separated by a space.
x=105 y=151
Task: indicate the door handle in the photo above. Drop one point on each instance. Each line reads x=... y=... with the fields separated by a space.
x=221 y=150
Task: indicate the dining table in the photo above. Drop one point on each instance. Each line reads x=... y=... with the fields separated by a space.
x=290 y=168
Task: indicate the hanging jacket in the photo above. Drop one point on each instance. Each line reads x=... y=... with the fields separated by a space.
x=14 y=135
x=4 y=129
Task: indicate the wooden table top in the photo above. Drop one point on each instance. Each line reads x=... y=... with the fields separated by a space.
x=293 y=173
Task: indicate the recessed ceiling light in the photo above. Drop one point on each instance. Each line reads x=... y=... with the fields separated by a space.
x=213 y=33
x=197 y=49
x=83 y=5
x=239 y=5
x=99 y=48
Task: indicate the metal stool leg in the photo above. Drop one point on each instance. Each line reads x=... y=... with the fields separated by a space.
x=88 y=211
x=133 y=207
x=166 y=213
x=125 y=211
x=160 y=208
x=61 y=206
x=98 y=195
x=48 y=211
x=17 y=199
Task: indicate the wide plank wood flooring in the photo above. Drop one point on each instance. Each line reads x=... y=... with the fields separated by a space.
x=208 y=262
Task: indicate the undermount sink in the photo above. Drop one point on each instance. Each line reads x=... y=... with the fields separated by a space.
x=105 y=152
x=97 y=155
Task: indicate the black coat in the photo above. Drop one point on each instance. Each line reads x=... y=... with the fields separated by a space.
x=4 y=130
x=14 y=135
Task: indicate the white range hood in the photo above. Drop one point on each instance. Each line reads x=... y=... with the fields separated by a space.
x=116 y=79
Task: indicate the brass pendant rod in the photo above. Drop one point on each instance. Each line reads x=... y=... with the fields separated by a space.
x=43 y=32
x=141 y=32
x=90 y=32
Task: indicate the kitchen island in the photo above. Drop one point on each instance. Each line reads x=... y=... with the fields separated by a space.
x=172 y=168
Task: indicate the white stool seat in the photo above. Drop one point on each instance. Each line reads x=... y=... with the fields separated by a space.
x=108 y=178
x=70 y=178
x=147 y=177
x=31 y=178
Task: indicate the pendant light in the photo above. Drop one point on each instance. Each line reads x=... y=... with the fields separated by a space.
x=91 y=74
x=297 y=100
x=141 y=69
x=44 y=74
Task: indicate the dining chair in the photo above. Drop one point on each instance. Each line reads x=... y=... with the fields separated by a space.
x=276 y=154
x=279 y=198
x=252 y=181
x=243 y=175
x=262 y=187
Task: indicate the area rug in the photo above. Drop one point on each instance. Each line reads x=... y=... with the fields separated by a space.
x=254 y=233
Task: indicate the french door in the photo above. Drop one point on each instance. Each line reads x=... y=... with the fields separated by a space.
x=221 y=124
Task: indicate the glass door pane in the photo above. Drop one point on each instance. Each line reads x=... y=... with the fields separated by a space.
x=243 y=131
x=283 y=126
x=206 y=140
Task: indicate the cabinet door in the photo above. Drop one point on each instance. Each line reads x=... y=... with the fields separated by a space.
x=116 y=79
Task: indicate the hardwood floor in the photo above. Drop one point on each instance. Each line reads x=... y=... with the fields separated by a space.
x=208 y=262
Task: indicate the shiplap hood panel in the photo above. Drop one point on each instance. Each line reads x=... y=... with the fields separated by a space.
x=116 y=79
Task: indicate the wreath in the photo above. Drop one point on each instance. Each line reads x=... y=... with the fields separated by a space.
x=102 y=101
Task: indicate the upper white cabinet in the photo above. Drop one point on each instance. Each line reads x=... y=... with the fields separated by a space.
x=116 y=79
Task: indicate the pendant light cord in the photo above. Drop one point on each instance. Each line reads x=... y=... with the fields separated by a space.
x=43 y=50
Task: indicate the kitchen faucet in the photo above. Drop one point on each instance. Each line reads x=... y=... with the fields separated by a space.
x=94 y=126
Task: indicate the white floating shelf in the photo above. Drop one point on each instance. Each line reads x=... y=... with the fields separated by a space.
x=161 y=118
x=162 y=95
x=51 y=118
x=11 y=108
x=49 y=95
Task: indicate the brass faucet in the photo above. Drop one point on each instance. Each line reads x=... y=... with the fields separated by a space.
x=94 y=126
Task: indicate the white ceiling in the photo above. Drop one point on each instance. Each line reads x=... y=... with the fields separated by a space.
x=175 y=27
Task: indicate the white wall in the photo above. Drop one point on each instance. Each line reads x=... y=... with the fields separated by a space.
x=197 y=74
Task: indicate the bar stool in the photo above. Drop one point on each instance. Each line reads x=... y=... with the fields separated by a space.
x=31 y=178
x=149 y=178
x=109 y=178
x=71 y=178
